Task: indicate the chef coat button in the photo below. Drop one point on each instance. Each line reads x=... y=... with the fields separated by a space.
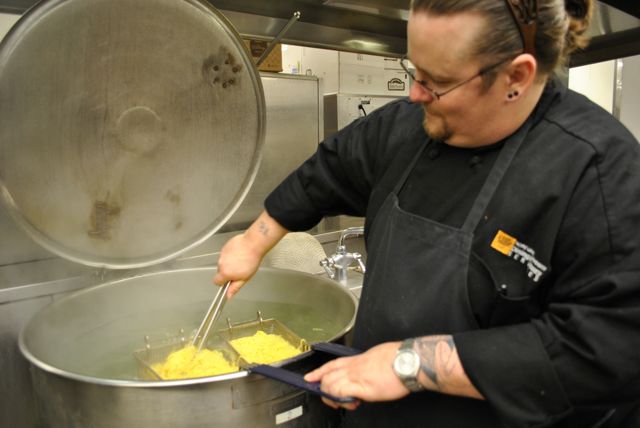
x=504 y=289
x=474 y=161
x=433 y=153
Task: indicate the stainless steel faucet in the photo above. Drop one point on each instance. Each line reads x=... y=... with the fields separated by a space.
x=337 y=264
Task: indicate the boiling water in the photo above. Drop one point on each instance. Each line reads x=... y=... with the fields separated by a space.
x=106 y=351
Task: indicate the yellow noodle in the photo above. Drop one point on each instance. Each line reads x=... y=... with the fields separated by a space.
x=188 y=363
x=264 y=348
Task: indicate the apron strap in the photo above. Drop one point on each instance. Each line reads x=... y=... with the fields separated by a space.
x=498 y=171
x=409 y=168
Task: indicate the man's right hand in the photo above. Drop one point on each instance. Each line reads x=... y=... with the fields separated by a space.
x=241 y=255
x=238 y=262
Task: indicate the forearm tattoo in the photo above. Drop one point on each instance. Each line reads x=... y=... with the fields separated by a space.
x=263 y=228
x=437 y=358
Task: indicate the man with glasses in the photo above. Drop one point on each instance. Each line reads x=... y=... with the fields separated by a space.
x=503 y=271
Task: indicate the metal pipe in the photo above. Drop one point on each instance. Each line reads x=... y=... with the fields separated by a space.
x=274 y=42
x=350 y=231
x=617 y=88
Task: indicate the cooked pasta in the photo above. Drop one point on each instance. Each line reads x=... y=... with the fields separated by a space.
x=260 y=348
x=188 y=363
x=264 y=348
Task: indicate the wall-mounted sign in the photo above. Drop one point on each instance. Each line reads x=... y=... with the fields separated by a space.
x=395 y=84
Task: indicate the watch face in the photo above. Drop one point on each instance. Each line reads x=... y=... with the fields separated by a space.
x=406 y=363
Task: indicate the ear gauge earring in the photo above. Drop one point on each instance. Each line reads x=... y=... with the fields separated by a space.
x=512 y=95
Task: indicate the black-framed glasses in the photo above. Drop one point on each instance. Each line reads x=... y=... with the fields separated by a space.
x=439 y=94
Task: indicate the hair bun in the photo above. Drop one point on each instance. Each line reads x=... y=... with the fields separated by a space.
x=576 y=9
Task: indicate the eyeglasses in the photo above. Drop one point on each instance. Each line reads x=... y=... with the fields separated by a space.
x=404 y=63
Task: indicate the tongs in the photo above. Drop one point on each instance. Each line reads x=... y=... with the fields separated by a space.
x=211 y=317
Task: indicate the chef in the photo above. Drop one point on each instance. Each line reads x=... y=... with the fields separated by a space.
x=502 y=214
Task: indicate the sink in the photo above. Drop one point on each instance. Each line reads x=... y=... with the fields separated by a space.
x=354 y=281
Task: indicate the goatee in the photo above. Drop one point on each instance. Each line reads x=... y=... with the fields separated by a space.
x=441 y=133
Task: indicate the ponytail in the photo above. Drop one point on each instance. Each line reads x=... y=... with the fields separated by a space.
x=579 y=15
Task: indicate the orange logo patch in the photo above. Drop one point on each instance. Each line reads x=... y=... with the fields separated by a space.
x=510 y=247
x=503 y=243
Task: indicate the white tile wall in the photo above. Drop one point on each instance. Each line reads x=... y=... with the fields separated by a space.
x=630 y=102
x=595 y=81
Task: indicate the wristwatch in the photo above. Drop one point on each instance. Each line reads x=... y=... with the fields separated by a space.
x=406 y=366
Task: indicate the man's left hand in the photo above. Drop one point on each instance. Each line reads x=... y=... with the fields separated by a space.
x=368 y=376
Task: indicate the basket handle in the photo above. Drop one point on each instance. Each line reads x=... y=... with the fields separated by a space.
x=297 y=380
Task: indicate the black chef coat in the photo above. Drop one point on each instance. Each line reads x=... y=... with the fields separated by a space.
x=558 y=309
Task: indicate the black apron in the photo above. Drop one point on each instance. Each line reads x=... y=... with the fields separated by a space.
x=416 y=285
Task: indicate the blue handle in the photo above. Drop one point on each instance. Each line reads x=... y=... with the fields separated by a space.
x=335 y=349
x=296 y=380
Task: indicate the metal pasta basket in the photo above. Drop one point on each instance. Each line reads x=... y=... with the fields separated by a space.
x=268 y=326
x=156 y=352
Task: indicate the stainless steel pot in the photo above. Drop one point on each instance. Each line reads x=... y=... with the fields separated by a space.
x=80 y=350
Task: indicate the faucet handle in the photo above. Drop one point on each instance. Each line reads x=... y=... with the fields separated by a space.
x=329 y=267
x=358 y=258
